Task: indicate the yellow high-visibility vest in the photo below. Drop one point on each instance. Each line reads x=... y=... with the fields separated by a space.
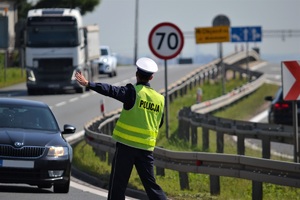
x=138 y=127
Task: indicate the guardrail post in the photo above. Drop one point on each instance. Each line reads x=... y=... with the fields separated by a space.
x=186 y=133
x=241 y=75
x=160 y=171
x=214 y=185
x=234 y=74
x=180 y=123
x=220 y=142
x=205 y=139
x=171 y=97
x=200 y=80
x=266 y=147
x=257 y=190
x=194 y=135
x=111 y=127
x=101 y=154
x=190 y=85
x=181 y=92
x=184 y=125
x=184 y=181
x=240 y=144
x=185 y=89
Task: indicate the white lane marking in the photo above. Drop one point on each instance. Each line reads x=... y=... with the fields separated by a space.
x=88 y=189
x=260 y=116
x=93 y=190
x=85 y=95
x=60 y=104
x=73 y=99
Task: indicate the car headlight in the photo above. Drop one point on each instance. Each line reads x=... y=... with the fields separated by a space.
x=57 y=151
x=105 y=60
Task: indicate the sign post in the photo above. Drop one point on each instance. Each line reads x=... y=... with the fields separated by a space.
x=291 y=92
x=166 y=42
x=222 y=20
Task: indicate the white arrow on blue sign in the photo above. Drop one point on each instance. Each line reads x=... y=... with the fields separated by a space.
x=246 y=34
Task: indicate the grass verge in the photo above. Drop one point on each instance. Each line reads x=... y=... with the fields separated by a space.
x=231 y=188
x=11 y=75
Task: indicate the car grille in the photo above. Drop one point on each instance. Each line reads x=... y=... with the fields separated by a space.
x=54 y=70
x=24 y=152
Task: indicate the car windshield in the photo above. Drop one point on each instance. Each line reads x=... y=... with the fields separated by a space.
x=103 y=52
x=27 y=117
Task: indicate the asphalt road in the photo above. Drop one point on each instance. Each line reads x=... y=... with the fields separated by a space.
x=78 y=109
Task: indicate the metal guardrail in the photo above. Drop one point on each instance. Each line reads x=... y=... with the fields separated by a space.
x=229 y=98
x=215 y=164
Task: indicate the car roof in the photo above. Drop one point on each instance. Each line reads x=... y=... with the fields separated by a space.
x=17 y=101
x=104 y=47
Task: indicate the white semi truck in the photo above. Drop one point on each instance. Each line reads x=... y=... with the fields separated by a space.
x=56 y=46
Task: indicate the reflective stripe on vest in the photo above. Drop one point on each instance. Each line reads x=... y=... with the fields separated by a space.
x=138 y=127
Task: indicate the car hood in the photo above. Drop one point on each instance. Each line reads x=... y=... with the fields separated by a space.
x=31 y=137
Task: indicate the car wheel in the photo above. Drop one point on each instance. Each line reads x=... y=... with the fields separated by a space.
x=61 y=188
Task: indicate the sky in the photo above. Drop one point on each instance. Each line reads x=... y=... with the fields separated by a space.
x=116 y=19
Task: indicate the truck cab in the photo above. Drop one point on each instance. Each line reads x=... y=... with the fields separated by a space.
x=56 y=46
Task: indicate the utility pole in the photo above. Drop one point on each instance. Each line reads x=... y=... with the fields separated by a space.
x=136 y=31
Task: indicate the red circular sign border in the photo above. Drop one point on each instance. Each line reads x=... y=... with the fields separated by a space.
x=151 y=35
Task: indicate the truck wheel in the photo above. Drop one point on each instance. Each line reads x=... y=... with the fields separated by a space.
x=79 y=90
x=31 y=92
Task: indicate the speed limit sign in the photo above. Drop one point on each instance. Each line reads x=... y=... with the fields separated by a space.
x=166 y=40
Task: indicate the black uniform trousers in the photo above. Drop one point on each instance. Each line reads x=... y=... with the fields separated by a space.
x=124 y=159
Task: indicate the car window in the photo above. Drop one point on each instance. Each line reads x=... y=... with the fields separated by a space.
x=27 y=117
x=104 y=52
x=279 y=97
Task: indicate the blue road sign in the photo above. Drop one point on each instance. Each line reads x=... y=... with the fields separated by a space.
x=246 y=34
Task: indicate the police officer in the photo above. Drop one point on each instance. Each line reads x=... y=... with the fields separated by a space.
x=136 y=130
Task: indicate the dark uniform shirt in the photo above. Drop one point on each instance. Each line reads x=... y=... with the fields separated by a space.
x=126 y=94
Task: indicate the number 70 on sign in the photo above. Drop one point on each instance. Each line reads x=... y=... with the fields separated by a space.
x=166 y=40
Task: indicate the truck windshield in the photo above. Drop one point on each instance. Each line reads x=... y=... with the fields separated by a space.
x=52 y=36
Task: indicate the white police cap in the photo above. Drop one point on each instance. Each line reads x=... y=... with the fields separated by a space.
x=146 y=65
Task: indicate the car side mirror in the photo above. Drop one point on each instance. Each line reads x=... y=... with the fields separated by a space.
x=269 y=98
x=68 y=129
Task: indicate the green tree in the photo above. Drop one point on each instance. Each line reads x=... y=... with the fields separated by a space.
x=84 y=6
x=23 y=7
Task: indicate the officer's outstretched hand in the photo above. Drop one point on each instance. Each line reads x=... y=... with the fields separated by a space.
x=81 y=79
